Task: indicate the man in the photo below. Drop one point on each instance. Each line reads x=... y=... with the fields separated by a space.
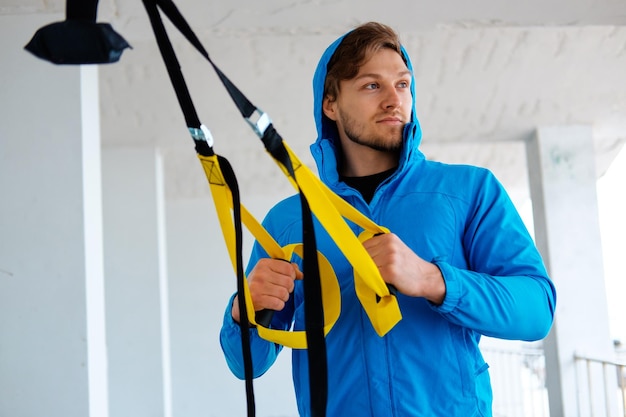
x=459 y=255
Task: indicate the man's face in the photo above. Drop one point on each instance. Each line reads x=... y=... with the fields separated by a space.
x=372 y=108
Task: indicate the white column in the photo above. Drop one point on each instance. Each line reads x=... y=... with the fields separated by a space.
x=52 y=339
x=136 y=284
x=563 y=190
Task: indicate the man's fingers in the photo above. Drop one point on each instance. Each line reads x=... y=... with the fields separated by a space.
x=272 y=301
x=289 y=269
x=296 y=268
x=275 y=290
x=271 y=283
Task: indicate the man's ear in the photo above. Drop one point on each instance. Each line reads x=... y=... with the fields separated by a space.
x=329 y=108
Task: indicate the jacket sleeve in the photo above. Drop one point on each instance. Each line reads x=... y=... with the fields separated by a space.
x=505 y=292
x=263 y=353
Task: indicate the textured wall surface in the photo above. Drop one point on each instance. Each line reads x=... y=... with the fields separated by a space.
x=480 y=93
x=488 y=73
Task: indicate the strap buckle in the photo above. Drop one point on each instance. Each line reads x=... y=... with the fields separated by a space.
x=203 y=134
x=259 y=123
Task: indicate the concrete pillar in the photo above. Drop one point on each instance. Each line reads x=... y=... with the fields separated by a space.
x=136 y=283
x=563 y=191
x=52 y=328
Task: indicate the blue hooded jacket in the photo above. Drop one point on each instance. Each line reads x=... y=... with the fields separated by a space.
x=458 y=217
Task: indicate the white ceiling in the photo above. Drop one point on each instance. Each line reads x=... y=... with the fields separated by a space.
x=322 y=15
x=487 y=72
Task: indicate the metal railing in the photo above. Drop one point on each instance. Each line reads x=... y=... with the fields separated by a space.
x=518 y=377
x=600 y=380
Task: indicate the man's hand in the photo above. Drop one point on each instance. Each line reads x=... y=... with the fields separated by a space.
x=402 y=268
x=271 y=281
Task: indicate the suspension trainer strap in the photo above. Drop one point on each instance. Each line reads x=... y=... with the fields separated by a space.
x=221 y=196
x=377 y=298
x=203 y=141
x=314 y=314
x=231 y=180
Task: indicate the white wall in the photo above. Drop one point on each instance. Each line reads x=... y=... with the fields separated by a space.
x=201 y=281
x=137 y=324
x=52 y=352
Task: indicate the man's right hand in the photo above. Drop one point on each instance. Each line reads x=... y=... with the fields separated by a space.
x=271 y=282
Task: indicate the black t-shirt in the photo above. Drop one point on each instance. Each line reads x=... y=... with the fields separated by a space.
x=367 y=185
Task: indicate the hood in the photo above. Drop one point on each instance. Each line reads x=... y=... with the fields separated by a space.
x=326 y=130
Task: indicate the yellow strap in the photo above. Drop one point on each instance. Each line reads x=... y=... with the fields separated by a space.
x=380 y=305
x=331 y=297
x=331 y=293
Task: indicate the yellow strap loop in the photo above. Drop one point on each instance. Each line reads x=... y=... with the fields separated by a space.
x=331 y=297
x=383 y=312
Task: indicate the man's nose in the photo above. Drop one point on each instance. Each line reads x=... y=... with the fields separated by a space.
x=392 y=98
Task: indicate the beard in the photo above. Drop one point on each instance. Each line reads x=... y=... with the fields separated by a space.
x=388 y=141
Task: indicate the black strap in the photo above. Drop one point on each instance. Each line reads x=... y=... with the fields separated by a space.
x=205 y=149
x=176 y=75
x=171 y=11
x=81 y=10
x=231 y=181
x=314 y=316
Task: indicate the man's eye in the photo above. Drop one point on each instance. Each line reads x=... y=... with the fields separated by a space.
x=371 y=86
x=403 y=84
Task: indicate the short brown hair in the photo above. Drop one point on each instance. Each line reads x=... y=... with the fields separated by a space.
x=354 y=50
